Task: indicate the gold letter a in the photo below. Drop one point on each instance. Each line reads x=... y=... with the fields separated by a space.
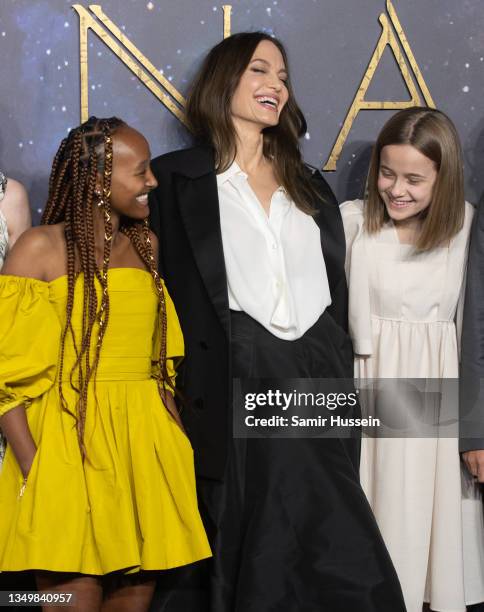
x=387 y=37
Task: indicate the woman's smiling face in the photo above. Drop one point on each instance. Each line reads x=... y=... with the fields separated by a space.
x=261 y=92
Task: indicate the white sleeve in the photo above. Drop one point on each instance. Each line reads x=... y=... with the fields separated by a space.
x=356 y=267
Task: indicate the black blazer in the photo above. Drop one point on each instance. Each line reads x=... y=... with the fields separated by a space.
x=185 y=217
x=472 y=352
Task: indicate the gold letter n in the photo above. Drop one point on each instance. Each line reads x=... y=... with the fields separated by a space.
x=153 y=82
x=123 y=48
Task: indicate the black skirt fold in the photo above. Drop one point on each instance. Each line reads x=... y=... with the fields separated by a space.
x=291 y=528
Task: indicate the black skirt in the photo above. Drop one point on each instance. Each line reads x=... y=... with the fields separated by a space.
x=290 y=526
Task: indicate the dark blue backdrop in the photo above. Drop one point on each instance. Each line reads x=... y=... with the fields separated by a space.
x=330 y=43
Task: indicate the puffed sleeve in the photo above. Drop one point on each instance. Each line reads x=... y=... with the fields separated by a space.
x=175 y=349
x=356 y=267
x=30 y=333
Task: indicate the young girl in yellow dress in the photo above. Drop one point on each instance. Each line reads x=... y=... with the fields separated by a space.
x=98 y=477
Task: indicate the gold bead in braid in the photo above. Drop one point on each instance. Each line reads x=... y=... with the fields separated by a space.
x=108 y=234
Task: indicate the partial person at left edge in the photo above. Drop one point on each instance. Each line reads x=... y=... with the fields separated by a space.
x=15 y=218
x=15 y=215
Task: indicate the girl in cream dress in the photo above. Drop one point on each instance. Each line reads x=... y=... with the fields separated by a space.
x=406 y=275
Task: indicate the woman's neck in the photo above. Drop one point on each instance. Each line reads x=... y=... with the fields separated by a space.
x=250 y=150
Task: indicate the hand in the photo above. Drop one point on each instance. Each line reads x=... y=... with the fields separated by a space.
x=26 y=464
x=16 y=429
x=173 y=410
x=474 y=461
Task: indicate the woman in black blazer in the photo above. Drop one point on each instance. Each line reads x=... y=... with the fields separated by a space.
x=289 y=524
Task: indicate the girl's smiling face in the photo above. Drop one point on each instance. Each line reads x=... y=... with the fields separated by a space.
x=131 y=178
x=406 y=179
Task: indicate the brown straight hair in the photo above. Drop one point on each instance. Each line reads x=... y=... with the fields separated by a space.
x=434 y=135
x=209 y=116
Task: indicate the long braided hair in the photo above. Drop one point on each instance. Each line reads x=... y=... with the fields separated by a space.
x=86 y=153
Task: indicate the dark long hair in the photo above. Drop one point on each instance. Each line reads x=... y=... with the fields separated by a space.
x=434 y=135
x=86 y=153
x=209 y=115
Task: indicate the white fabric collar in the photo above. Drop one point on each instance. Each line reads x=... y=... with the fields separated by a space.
x=232 y=170
x=235 y=170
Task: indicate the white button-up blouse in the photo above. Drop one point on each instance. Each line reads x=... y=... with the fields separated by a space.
x=275 y=265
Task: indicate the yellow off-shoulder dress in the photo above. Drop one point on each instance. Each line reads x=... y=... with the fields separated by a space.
x=131 y=504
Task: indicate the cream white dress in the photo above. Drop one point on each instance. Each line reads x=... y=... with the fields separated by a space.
x=403 y=310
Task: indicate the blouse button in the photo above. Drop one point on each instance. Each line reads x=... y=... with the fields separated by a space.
x=274 y=246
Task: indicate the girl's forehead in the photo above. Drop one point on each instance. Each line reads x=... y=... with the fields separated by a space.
x=404 y=155
x=127 y=140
